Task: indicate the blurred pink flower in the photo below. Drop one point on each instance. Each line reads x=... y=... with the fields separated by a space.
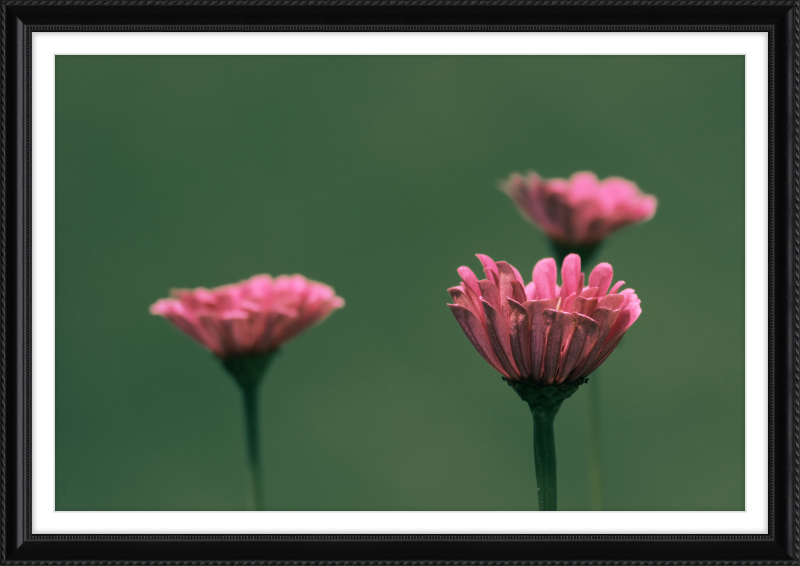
x=252 y=317
x=540 y=332
x=581 y=211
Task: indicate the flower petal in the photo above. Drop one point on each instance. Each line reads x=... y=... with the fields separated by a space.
x=520 y=337
x=477 y=335
x=544 y=276
x=584 y=306
x=530 y=291
x=509 y=286
x=470 y=281
x=583 y=339
x=566 y=306
x=489 y=267
x=499 y=335
x=538 y=334
x=615 y=288
x=461 y=298
x=612 y=302
x=628 y=313
x=589 y=292
x=601 y=277
x=605 y=318
x=490 y=293
x=518 y=292
x=561 y=327
x=571 y=276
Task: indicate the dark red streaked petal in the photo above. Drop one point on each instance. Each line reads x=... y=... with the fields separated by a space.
x=538 y=333
x=584 y=306
x=460 y=297
x=605 y=318
x=517 y=292
x=520 y=337
x=586 y=332
x=497 y=328
x=477 y=335
x=490 y=292
x=562 y=325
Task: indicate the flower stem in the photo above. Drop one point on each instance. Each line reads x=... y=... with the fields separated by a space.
x=595 y=441
x=544 y=455
x=250 y=402
x=248 y=371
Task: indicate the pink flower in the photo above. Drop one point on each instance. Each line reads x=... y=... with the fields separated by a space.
x=581 y=211
x=252 y=317
x=540 y=332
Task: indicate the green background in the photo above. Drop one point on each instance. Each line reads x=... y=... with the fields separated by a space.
x=378 y=175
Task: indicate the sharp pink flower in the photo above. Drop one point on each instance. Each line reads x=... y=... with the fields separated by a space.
x=581 y=211
x=542 y=332
x=252 y=317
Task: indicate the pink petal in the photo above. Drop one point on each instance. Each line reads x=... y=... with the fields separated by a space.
x=544 y=276
x=629 y=312
x=612 y=302
x=530 y=291
x=566 y=306
x=489 y=267
x=615 y=288
x=601 y=277
x=571 y=276
x=470 y=281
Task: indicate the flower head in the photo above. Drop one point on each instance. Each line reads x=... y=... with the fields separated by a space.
x=252 y=317
x=541 y=333
x=580 y=211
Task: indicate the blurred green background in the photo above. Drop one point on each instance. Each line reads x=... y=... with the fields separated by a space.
x=377 y=175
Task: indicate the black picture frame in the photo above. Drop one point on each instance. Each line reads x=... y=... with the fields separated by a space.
x=781 y=19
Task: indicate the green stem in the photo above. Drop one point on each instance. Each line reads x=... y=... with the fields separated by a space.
x=595 y=442
x=248 y=371
x=544 y=455
x=250 y=401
